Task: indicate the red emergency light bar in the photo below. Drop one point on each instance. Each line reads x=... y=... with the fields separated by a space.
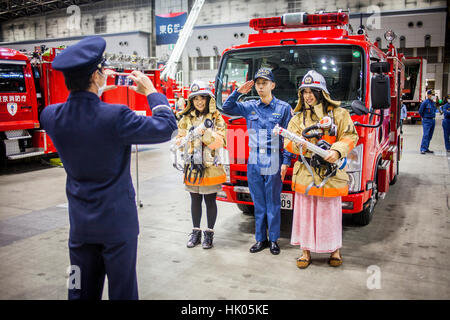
x=300 y=20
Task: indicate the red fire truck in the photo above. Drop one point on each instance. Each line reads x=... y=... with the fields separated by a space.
x=414 y=91
x=355 y=70
x=28 y=83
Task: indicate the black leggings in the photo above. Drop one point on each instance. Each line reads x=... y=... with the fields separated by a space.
x=196 y=209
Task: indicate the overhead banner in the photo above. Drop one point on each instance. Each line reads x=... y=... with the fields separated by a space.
x=168 y=26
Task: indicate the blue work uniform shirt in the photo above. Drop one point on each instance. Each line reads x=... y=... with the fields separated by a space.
x=446 y=110
x=403 y=112
x=261 y=119
x=428 y=109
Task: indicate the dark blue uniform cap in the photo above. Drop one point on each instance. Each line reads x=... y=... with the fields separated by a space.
x=264 y=73
x=86 y=56
x=430 y=92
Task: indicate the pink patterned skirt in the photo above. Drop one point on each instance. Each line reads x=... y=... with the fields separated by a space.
x=317 y=223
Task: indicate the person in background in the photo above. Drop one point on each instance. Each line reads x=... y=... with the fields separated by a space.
x=403 y=112
x=203 y=179
x=427 y=112
x=317 y=221
x=446 y=122
x=94 y=139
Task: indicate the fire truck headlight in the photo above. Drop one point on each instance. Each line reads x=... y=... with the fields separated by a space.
x=225 y=160
x=354 y=167
x=354 y=185
x=227 y=172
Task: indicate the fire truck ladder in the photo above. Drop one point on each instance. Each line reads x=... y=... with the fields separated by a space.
x=185 y=33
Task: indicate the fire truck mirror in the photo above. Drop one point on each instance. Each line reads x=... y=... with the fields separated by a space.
x=380 y=92
x=380 y=67
x=359 y=108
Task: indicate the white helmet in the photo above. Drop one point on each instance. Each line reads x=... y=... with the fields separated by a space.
x=202 y=88
x=314 y=79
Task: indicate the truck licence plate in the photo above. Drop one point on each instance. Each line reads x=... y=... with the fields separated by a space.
x=287 y=201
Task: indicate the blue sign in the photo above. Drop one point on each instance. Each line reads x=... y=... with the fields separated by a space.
x=168 y=26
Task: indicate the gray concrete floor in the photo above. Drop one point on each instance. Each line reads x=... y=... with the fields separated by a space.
x=408 y=241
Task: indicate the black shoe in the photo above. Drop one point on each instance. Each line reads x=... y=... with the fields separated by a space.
x=429 y=151
x=274 y=248
x=195 y=238
x=207 y=239
x=258 y=246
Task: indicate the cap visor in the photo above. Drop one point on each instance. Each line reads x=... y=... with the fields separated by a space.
x=264 y=77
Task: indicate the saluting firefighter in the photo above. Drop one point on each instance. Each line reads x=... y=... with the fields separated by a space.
x=203 y=172
x=94 y=139
x=267 y=162
x=317 y=221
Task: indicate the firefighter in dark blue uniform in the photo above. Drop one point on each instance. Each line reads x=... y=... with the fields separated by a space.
x=94 y=141
x=427 y=111
x=446 y=122
x=267 y=164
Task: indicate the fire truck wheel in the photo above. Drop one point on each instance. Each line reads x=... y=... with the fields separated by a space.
x=246 y=209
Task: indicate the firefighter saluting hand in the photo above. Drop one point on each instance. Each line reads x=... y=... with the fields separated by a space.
x=94 y=141
x=267 y=163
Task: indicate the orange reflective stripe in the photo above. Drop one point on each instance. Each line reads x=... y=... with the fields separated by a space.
x=348 y=141
x=329 y=139
x=290 y=147
x=322 y=192
x=209 y=181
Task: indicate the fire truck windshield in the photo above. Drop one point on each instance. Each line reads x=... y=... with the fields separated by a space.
x=341 y=65
x=12 y=78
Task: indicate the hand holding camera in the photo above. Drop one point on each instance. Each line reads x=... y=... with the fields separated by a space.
x=143 y=84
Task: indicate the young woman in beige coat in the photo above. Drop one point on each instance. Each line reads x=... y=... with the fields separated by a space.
x=203 y=178
x=317 y=222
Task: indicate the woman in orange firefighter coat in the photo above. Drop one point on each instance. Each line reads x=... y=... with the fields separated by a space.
x=317 y=222
x=203 y=178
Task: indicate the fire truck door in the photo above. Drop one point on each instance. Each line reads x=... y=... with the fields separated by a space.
x=15 y=94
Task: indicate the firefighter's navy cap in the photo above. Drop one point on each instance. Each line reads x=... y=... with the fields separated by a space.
x=85 y=56
x=430 y=92
x=264 y=73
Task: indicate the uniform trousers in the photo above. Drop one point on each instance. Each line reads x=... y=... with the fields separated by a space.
x=265 y=191
x=95 y=260
x=428 y=130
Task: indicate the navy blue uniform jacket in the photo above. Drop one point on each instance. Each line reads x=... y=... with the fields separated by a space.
x=93 y=140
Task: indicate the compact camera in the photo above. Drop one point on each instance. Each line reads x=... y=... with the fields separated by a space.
x=123 y=80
